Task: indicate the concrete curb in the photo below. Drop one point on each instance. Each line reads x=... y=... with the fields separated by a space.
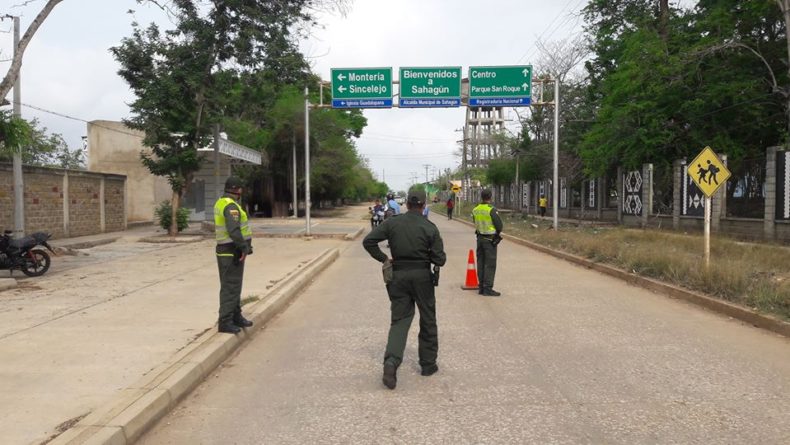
x=343 y=236
x=84 y=244
x=166 y=239
x=741 y=313
x=125 y=418
x=355 y=235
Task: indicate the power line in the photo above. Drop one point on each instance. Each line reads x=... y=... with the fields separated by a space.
x=405 y=137
x=79 y=119
x=534 y=47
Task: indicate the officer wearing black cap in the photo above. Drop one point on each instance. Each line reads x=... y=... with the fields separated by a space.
x=234 y=243
x=415 y=244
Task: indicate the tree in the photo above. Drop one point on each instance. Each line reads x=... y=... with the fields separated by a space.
x=41 y=147
x=16 y=62
x=183 y=78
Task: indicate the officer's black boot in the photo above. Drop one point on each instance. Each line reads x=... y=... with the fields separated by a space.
x=429 y=370
x=390 y=378
x=491 y=293
x=240 y=321
x=228 y=327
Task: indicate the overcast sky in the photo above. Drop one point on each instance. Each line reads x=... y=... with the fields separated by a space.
x=68 y=69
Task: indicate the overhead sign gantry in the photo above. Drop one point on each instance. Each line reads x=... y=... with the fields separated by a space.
x=361 y=87
x=432 y=87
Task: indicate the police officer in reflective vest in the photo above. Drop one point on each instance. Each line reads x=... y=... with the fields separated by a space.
x=415 y=244
x=234 y=243
x=488 y=227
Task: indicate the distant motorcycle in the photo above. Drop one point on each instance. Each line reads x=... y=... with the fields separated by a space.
x=376 y=215
x=23 y=254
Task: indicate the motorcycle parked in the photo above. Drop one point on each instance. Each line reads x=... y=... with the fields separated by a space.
x=23 y=254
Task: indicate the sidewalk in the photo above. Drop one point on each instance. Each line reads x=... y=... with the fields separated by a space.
x=78 y=338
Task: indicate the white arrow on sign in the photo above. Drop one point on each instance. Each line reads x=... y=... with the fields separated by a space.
x=341 y=88
x=526 y=72
x=341 y=76
x=525 y=86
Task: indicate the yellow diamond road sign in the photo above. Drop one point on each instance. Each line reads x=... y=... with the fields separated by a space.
x=708 y=172
x=456 y=189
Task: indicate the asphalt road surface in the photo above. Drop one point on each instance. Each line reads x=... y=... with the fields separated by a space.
x=566 y=355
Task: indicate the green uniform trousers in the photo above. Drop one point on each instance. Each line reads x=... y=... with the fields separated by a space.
x=486 y=262
x=230 y=279
x=410 y=287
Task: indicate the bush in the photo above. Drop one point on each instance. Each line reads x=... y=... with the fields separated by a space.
x=164 y=214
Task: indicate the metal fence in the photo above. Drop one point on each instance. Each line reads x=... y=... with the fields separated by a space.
x=745 y=188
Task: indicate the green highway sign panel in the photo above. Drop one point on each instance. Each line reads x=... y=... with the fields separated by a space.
x=427 y=87
x=361 y=87
x=500 y=86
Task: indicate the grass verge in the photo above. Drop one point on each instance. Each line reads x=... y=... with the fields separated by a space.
x=749 y=274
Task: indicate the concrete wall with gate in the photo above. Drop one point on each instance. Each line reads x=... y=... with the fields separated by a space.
x=65 y=203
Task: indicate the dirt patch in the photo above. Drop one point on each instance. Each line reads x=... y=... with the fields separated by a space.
x=63 y=427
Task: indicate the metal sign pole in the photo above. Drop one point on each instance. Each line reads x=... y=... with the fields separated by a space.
x=307 y=161
x=708 y=201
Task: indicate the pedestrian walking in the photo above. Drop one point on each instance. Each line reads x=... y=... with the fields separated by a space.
x=234 y=243
x=488 y=228
x=450 y=207
x=542 y=204
x=415 y=244
x=701 y=173
x=712 y=172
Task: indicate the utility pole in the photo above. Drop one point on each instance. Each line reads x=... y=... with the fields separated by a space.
x=556 y=182
x=307 y=160
x=427 y=166
x=19 y=184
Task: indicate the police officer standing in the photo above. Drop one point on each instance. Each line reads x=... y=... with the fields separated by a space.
x=415 y=244
x=234 y=243
x=488 y=227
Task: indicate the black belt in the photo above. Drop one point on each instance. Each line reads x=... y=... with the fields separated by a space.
x=410 y=265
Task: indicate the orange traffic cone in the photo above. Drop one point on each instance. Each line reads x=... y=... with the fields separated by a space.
x=471 y=273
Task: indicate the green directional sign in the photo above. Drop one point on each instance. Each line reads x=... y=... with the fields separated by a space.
x=361 y=87
x=500 y=86
x=430 y=87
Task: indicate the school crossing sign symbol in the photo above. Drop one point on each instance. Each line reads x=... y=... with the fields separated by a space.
x=708 y=172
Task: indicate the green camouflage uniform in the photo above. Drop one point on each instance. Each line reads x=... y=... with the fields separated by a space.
x=415 y=244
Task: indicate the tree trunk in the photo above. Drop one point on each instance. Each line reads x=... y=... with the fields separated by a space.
x=784 y=5
x=174 y=204
x=663 y=19
x=16 y=63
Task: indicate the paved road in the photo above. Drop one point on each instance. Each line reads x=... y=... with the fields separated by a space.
x=565 y=356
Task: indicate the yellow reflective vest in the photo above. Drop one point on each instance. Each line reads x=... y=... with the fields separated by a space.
x=220 y=225
x=483 y=221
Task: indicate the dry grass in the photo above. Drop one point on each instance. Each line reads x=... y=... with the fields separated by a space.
x=750 y=274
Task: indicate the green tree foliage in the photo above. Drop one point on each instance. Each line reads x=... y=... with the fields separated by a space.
x=39 y=147
x=663 y=89
x=164 y=213
x=15 y=132
x=193 y=76
x=501 y=171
